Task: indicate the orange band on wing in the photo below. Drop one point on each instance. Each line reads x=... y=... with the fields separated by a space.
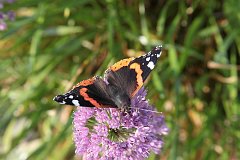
x=121 y=64
x=85 y=82
x=139 y=72
x=87 y=98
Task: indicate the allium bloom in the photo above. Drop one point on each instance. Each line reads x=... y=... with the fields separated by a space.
x=111 y=134
x=4 y=16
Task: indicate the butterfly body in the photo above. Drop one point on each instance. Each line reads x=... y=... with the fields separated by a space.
x=120 y=83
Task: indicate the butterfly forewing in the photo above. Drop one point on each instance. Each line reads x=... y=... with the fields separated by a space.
x=147 y=62
x=88 y=93
x=143 y=65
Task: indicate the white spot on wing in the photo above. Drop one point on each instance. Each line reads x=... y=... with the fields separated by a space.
x=148 y=59
x=150 y=65
x=63 y=102
x=71 y=97
x=75 y=102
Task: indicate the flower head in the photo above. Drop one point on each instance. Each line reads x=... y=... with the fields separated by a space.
x=5 y=16
x=111 y=134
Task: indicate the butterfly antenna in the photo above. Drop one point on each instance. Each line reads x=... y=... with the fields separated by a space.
x=146 y=110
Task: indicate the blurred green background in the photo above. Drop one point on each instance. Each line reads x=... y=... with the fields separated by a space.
x=52 y=45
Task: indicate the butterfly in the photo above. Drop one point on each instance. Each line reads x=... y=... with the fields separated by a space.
x=120 y=83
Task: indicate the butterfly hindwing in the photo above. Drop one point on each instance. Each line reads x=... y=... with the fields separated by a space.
x=98 y=91
x=119 y=76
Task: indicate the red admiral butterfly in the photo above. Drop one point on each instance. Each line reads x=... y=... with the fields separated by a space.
x=121 y=82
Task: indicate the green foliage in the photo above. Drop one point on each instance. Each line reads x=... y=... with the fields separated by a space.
x=54 y=44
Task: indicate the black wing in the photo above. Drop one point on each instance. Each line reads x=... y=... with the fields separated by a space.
x=87 y=93
x=129 y=75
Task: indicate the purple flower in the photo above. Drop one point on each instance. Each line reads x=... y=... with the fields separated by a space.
x=11 y=15
x=111 y=134
x=3 y=26
x=5 y=16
